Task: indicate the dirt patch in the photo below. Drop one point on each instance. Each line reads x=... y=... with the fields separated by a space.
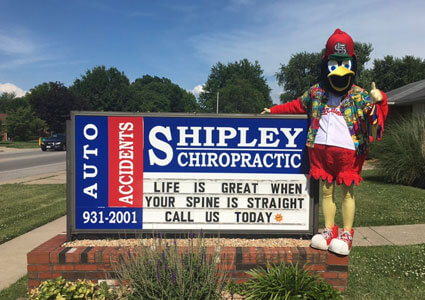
x=370 y=164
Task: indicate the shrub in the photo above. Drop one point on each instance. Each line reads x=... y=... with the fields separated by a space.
x=164 y=271
x=401 y=152
x=232 y=291
x=286 y=282
x=22 y=125
x=63 y=289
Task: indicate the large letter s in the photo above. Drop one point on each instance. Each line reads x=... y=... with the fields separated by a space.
x=160 y=145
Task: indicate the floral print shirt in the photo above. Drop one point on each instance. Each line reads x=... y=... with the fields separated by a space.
x=356 y=107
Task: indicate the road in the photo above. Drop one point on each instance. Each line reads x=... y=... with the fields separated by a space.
x=30 y=162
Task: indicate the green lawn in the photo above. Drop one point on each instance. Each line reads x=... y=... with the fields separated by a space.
x=20 y=145
x=387 y=272
x=25 y=207
x=16 y=290
x=379 y=203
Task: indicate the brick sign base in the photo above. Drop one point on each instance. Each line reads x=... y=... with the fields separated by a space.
x=51 y=260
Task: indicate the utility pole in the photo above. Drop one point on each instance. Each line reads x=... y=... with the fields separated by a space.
x=218 y=97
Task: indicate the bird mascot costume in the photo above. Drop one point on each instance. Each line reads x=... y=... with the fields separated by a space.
x=344 y=119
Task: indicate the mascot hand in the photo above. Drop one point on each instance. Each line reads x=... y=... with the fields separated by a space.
x=375 y=94
x=266 y=111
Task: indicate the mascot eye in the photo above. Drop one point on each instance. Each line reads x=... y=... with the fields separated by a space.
x=332 y=65
x=347 y=64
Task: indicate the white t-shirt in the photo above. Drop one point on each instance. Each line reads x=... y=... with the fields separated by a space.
x=333 y=130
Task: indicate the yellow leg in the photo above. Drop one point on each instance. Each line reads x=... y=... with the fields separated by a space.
x=348 y=207
x=328 y=203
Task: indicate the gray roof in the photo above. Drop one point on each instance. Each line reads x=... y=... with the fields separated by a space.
x=407 y=94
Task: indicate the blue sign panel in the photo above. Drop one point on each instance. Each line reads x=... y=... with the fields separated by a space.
x=222 y=145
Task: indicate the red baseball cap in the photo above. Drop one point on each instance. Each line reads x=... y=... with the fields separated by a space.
x=339 y=45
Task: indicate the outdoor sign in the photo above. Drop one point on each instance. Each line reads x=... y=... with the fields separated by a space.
x=227 y=174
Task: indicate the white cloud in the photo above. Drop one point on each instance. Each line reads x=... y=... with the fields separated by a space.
x=197 y=90
x=11 y=88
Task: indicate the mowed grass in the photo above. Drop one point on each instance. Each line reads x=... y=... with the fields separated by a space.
x=387 y=272
x=16 y=290
x=20 y=145
x=379 y=203
x=25 y=207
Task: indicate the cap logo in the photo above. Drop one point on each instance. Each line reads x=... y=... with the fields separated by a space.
x=340 y=48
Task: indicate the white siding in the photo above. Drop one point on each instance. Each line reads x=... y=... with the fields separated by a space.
x=418 y=108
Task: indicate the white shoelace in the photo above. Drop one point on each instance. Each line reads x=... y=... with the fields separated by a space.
x=327 y=233
x=346 y=236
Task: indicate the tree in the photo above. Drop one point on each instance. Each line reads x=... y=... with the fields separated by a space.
x=239 y=96
x=390 y=73
x=53 y=102
x=22 y=125
x=154 y=94
x=241 y=86
x=9 y=101
x=303 y=71
x=5 y=101
x=363 y=51
x=103 y=89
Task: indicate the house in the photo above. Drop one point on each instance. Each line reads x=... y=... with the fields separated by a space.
x=407 y=100
x=3 y=131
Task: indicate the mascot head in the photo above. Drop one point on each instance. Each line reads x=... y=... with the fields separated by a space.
x=339 y=64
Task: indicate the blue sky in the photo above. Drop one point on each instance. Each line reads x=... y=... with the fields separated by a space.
x=43 y=41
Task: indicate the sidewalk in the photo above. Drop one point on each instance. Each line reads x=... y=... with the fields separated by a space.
x=13 y=259
x=13 y=254
x=9 y=150
x=389 y=235
x=46 y=178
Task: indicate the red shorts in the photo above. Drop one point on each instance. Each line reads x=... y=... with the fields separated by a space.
x=337 y=164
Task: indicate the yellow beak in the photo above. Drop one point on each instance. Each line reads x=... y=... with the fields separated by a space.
x=340 y=71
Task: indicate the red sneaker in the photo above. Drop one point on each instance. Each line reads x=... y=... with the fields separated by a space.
x=342 y=245
x=322 y=240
